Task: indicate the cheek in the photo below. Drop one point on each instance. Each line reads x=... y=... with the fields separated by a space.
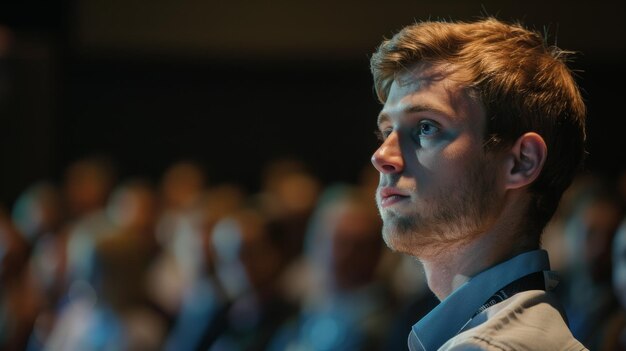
x=463 y=144
x=428 y=174
x=447 y=167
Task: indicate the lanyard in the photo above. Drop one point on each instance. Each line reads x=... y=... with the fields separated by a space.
x=542 y=280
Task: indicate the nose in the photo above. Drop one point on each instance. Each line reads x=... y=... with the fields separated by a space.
x=388 y=157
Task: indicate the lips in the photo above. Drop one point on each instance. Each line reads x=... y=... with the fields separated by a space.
x=389 y=196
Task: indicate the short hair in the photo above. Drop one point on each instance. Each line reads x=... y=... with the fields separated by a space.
x=523 y=83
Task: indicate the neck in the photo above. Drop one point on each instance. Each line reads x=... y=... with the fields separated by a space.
x=449 y=268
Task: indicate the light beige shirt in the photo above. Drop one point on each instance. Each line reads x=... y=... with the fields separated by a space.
x=529 y=320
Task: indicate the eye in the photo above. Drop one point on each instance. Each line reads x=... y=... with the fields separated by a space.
x=382 y=134
x=426 y=129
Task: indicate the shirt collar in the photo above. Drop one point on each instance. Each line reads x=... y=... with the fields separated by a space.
x=449 y=317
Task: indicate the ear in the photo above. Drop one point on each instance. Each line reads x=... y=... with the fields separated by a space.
x=525 y=160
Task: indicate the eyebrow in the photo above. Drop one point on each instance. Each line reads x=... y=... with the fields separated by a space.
x=382 y=117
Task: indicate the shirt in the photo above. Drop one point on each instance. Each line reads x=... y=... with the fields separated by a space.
x=455 y=314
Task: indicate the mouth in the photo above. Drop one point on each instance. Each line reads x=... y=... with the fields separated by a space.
x=390 y=196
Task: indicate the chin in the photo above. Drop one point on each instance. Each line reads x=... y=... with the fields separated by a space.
x=405 y=235
x=395 y=239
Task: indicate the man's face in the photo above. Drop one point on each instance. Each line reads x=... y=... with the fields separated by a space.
x=437 y=185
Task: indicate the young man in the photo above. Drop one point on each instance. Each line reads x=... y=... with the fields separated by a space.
x=482 y=130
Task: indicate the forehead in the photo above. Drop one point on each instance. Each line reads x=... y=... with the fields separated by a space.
x=432 y=87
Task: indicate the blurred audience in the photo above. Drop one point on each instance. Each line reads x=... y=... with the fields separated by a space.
x=100 y=263
x=614 y=337
x=345 y=306
x=38 y=211
x=19 y=298
x=589 y=227
x=205 y=302
x=87 y=185
x=180 y=190
x=289 y=191
x=247 y=246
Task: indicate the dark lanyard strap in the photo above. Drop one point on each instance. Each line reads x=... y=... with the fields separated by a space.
x=533 y=281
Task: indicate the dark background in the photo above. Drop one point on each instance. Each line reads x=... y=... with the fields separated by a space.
x=234 y=84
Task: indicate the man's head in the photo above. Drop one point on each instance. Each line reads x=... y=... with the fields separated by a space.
x=498 y=80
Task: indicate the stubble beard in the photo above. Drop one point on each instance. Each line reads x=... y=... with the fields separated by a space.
x=455 y=215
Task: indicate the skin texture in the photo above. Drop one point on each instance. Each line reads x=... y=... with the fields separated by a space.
x=443 y=198
x=432 y=156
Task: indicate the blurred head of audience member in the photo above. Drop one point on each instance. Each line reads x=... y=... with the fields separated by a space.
x=13 y=250
x=343 y=240
x=589 y=230
x=38 y=211
x=217 y=202
x=291 y=185
x=19 y=299
x=181 y=262
x=181 y=185
x=353 y=233
x=125 y=258
x=247 y=252
x=203 y=304
x=132 y=207
x=619 y=264
x=110 y=308
x=593 y=220
x=614 y=338
x=346 y=308
x=289 y=193
x=555 y=240
x=249 y=262
x=87 y=185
